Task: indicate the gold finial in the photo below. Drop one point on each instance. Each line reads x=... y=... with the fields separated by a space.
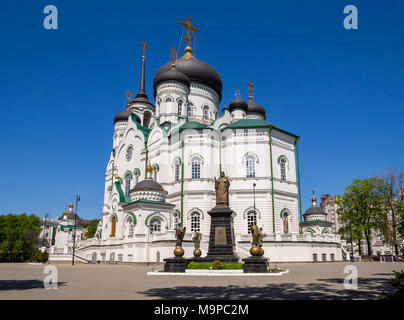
x=144 y=46
x=237 y=91
x=189 y=37
x=149 y=168
x=129 y=95
x=313 y=200
x=250 y=89
x=174 y=54
x=71 y=203
x=117 y=177
x=65 y=212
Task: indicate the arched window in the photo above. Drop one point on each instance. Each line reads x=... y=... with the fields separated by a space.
x=155 y=170
x=137 y=174
x=177 y=169
x=113 y=227
x=196 y=168
x=195 y=221
x=169 y=100
x=155 y=224
x=205 y=113
x=250 y=167
x=191 y=111
x=285 y=219
x=179 y=107
x=283 y=169
x=127 y=184
x=130 y=226
x=251 y=219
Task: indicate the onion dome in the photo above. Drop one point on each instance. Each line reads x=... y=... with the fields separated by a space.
x=314 y=212
x=124 y=115
x=252 y=107
x=196 y=71
x=148 y=189
x=171 y=75
x=238 y=103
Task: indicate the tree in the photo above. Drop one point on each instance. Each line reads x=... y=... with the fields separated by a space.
x=392 y=220
x=360 y=207
x=92 y=228
x=19 y=235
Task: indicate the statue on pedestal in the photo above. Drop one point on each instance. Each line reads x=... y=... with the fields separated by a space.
x=222 y=185
x=180 y=233
x=197 y=241
x=258 y=236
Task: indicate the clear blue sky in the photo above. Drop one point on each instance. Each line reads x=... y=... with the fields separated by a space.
x=341 y=90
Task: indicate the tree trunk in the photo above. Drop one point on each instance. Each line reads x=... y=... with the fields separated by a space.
x=359 y=247
x=367 y=237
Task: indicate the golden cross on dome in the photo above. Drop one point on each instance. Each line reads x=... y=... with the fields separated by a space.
x=144 y=45
x=129 y=95
x=174 y=54
x=250 y=90
x=189 y=27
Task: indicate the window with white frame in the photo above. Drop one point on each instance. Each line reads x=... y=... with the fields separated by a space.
x=191 y=111
x=251 y=219
x=283 y=169
x=155 y=170
x=205 y=113
x=155 y=224
x=136 y=172
x=195 y=221
x=179 y=107
x=177 y=168
x=127 y=184
x=250 y=167
x=196 y=168
x=130 y=226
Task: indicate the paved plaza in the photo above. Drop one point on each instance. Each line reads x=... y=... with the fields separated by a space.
x=305 y=281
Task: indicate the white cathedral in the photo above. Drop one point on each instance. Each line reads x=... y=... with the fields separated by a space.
x=165 y=157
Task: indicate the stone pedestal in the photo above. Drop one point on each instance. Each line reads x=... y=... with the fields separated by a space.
x=255 y=265
x=176 y=264
x=221 y=237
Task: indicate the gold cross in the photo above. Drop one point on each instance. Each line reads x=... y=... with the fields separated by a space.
x=189 y=27
x=174 y=53
x=250 y=89
x=129 y=95
x=144 y=45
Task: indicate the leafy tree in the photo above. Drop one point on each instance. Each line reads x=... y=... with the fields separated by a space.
x=392 y=219
x=359 y=209
x=92 y=228
x=19 y=235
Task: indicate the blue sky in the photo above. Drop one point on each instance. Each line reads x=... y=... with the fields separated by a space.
x=341 y=90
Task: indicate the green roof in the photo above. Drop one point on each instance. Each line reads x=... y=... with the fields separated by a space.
x=192 y=125
x=140 y=127
x=254 y=123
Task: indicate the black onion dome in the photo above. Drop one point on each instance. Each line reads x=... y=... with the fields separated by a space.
x=195 y=70
x=314 y=210
x=252 y=107
x=124 y=115
x=148 y=184
x=171 y=75
x=237 y=103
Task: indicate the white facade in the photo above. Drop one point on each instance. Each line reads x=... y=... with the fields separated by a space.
x=188 y=144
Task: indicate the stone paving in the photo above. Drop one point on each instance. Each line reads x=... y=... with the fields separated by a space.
x=304 y=281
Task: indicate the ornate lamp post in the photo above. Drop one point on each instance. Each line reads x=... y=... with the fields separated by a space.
x=74 y=232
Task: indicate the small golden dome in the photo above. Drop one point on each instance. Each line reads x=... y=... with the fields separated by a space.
x=149 y=168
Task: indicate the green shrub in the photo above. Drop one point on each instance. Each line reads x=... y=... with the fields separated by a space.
x=233 y=266
x=36 y=256
x=43 y=257
x=198 y=265
x=217 y=265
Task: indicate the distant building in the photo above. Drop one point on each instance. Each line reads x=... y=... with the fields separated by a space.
x=330 y=208
x=48 y=231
